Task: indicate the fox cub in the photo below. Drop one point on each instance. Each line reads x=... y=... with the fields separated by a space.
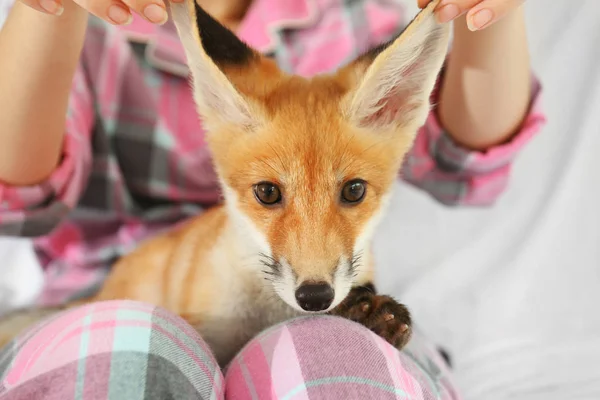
x=306 y=167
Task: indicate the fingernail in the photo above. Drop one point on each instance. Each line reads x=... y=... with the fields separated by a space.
x=480 y=19
x=447 y=13
x=156 y=14
x=119 y=15
x=52 y=7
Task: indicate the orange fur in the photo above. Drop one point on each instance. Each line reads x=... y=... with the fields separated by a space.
x=296 y=133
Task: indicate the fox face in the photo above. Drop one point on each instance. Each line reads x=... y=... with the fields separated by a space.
x=307 y=165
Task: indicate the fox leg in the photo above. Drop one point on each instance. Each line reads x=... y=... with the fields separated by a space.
x=381 y=314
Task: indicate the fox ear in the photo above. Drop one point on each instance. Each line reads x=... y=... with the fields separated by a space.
x=393 y=82
x=214 y=52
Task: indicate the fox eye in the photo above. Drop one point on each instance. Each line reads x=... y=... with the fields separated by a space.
x=267 y=193
x=354 y=191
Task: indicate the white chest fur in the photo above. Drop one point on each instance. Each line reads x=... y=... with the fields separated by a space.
x=237 y=319
x=246 y=303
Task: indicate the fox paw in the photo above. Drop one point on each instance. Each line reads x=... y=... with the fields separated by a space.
x=381 y=314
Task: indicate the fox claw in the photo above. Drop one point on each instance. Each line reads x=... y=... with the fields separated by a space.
x=381 y=314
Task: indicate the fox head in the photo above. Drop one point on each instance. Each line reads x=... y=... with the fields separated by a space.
x=307 y=165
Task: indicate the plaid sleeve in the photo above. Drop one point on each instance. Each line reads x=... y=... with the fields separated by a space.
x=35 y=210
x=454 y=175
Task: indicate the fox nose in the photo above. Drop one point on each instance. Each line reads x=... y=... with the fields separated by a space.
x=314 y=296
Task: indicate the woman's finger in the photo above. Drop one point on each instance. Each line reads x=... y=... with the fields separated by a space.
x=120 y=11
x=449 y=10
x=154 y=11
x=117 y=12
x=53 y=7
x=490 y=11
x=113 y=11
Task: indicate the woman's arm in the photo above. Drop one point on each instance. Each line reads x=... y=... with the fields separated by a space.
x=487 y=108
x=485 y=93
x=39 y=55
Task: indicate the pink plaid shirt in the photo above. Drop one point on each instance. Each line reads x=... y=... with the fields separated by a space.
x=135 y=161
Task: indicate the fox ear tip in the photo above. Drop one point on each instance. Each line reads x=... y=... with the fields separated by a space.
x=220 y=43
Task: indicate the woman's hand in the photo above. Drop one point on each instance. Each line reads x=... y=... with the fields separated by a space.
x=117 y=12
x=480 y=13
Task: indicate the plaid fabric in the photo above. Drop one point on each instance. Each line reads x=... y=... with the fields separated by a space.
x=131 y=350
x=135 y=161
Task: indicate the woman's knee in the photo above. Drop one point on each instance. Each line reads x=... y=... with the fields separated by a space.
x=129 y=345
x=325 y=357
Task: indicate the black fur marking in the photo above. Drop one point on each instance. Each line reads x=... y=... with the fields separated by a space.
x=445 y=356
x=271 y=265
x=221 y=45
x=367 y=287
x=355 y=263
x=372 y=54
